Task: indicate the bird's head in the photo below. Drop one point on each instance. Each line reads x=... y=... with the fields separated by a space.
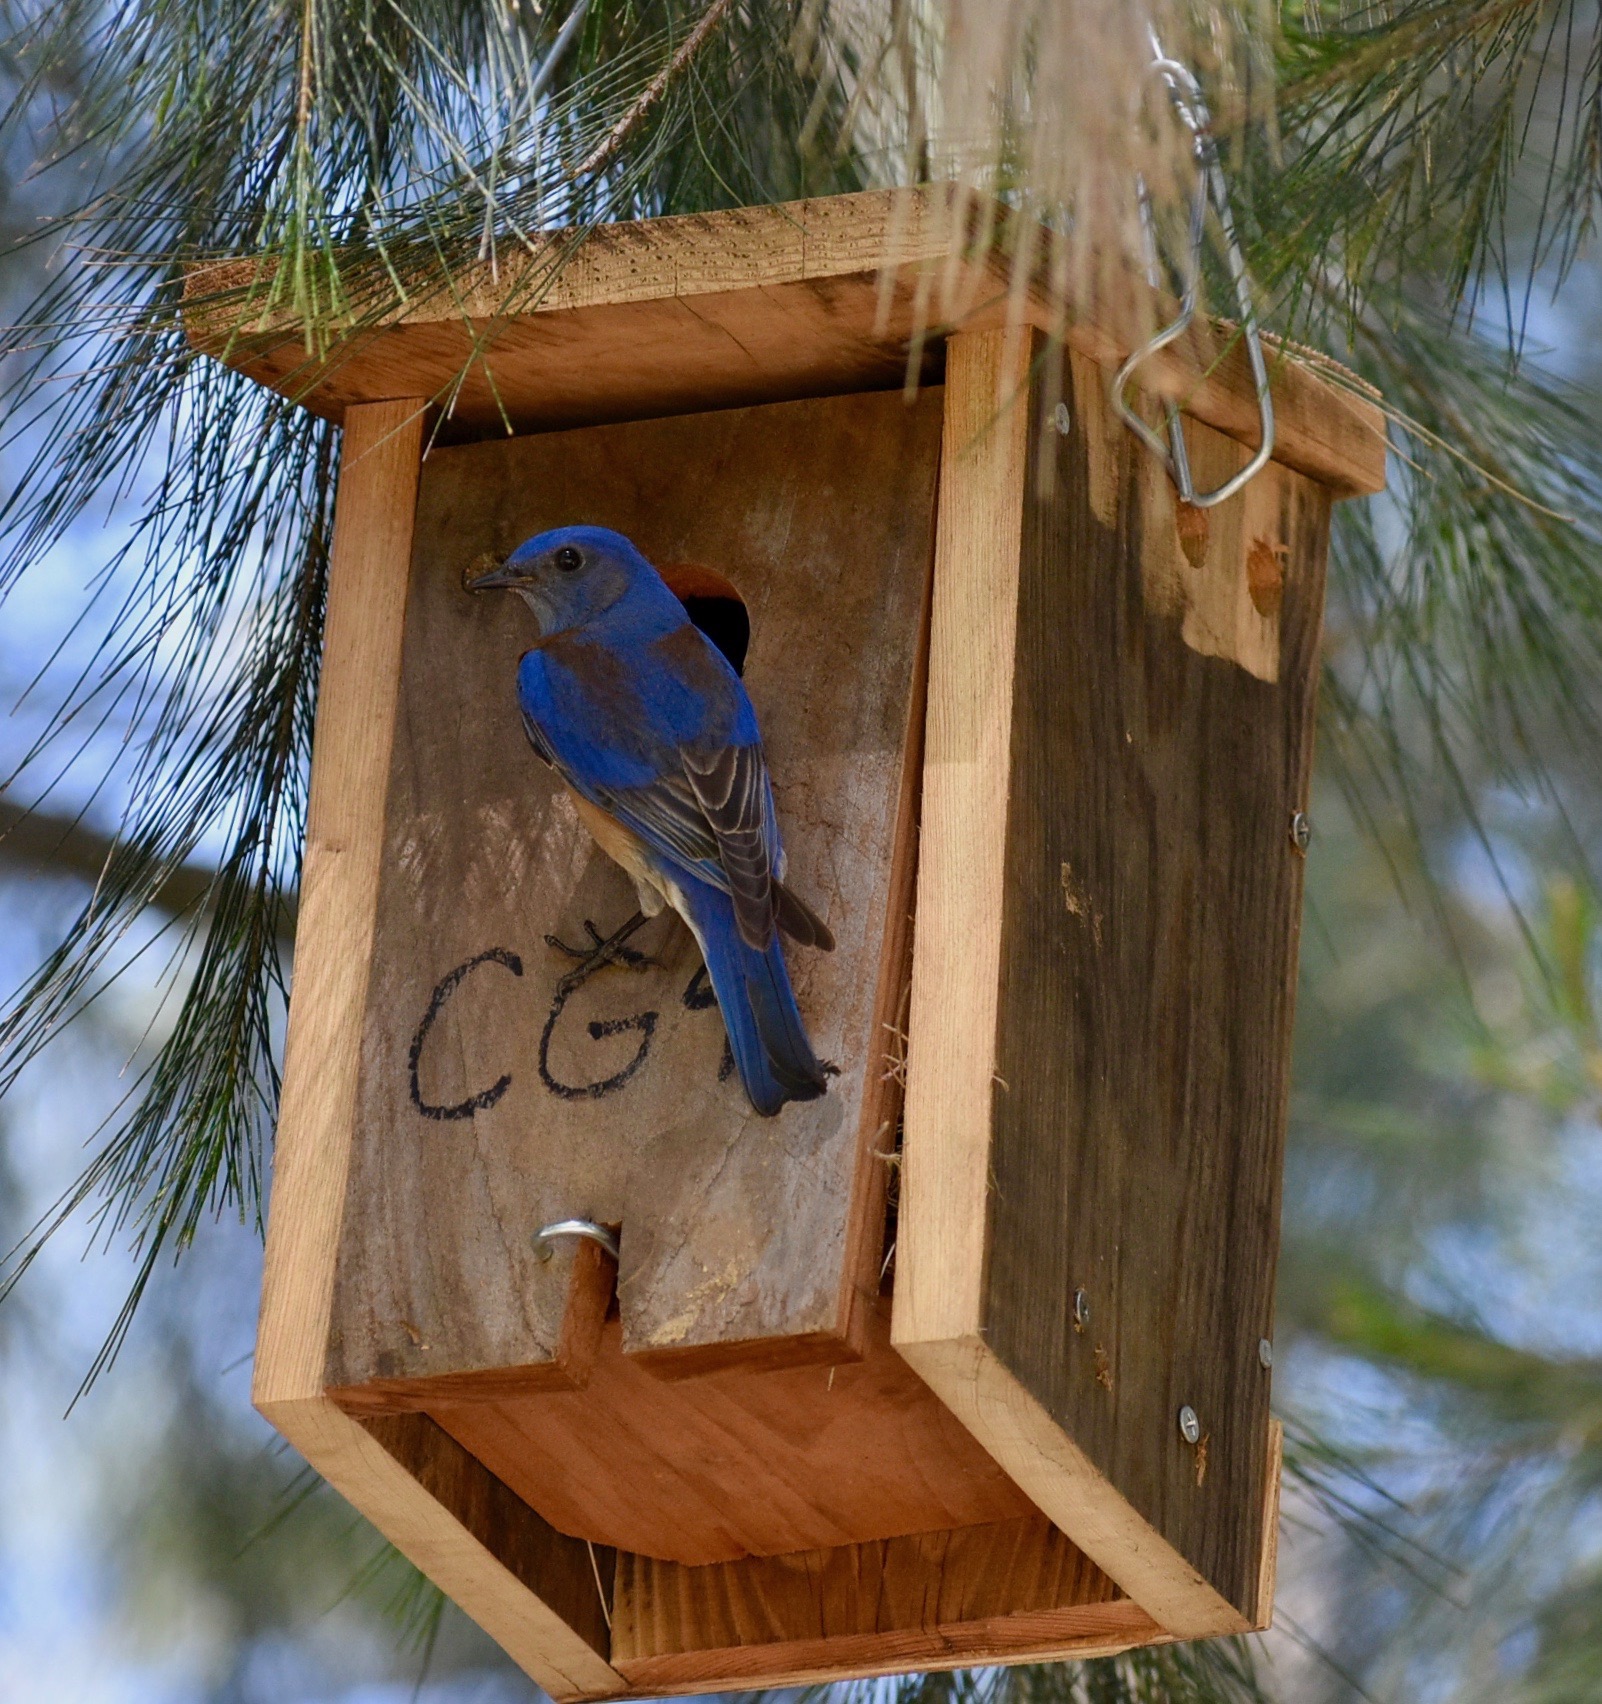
x=569 y=576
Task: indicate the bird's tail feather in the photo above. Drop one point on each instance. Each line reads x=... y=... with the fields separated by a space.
x=799 y=921
x=766 y=1035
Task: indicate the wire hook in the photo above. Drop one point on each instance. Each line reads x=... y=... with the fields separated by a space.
x=1184 y=92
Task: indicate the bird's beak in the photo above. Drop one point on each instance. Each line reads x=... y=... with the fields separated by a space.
x=489 y=574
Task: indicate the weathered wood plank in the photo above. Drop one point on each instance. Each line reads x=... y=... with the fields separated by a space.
x=993 y=1593
x=1268 y=1575
x=1152 y=906
x=481 y=1548
x=740 y=1236
x=956 y=972
x=722 y=309
x=1118 y=870
x=569 y=1578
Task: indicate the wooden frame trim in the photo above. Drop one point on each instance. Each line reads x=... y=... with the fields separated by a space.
x=1063 y=1483
x=1268 y=1573
x=967 y=747
x=370 y=561
x=360 y=677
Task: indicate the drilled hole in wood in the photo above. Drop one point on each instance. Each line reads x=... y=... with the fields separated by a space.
x=715 y=606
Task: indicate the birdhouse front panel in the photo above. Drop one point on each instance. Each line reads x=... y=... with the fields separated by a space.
x=500 y=1094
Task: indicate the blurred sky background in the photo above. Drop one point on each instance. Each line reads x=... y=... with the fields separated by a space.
x=1439 y=1355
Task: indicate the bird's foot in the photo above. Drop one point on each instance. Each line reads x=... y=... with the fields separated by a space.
x=600 y=952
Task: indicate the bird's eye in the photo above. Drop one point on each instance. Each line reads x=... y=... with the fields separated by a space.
x=567 y=559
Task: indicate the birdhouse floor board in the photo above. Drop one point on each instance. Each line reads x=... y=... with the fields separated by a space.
x=735 y=1464
x=596 y=1622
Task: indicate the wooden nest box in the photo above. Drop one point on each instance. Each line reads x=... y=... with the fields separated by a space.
x=965 y=1362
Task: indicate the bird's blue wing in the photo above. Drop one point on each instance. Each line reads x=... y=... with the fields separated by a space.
x=715 y=819
x=670 y=749
x=731 y=787
x=668 y=817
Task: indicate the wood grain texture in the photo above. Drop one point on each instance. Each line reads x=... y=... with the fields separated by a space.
x=737 y=1232
x=1065 y=1484
x=729 y=1465
x=1119 y=864
x=736 y=307
x=566 y=1583
x=956 y=970
x=1268 y=1574
x=1000 y=1592
x=339 y=893
x=1220 y=572
x=1152 y=906
x=339 y=887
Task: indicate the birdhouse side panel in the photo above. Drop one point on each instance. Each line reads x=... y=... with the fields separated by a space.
x=493 y=1099
x=1162 y=723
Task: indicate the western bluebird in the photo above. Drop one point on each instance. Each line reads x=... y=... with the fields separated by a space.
x=652 y=731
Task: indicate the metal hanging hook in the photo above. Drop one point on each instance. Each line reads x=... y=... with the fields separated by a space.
x=1185 y=94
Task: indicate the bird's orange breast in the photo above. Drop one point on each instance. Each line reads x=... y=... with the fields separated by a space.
x=620 y=844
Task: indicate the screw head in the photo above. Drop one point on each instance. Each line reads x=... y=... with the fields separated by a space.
x=1301 y=831
x=1062 y=421
x=1265 y=1352
x=1081 y=1310
x=1189 y=1425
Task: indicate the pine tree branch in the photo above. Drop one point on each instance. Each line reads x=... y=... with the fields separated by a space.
x=44 y=843
x=607 y=150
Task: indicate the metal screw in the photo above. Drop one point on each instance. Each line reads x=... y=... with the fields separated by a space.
x=1062 y=420
x=1081 y=1310
x=1189 y=1425
x=1301 y=831
x=1265 y=1352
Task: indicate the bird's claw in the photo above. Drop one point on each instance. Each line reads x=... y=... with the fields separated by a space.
x=600 y=952
x=603 y=951
x=577 y=952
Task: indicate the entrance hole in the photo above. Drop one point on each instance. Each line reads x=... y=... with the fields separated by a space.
x=712 y=603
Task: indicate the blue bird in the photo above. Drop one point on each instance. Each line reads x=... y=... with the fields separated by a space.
x=652 y=731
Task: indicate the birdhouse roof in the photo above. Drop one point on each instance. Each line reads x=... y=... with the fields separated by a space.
x=664 y=316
